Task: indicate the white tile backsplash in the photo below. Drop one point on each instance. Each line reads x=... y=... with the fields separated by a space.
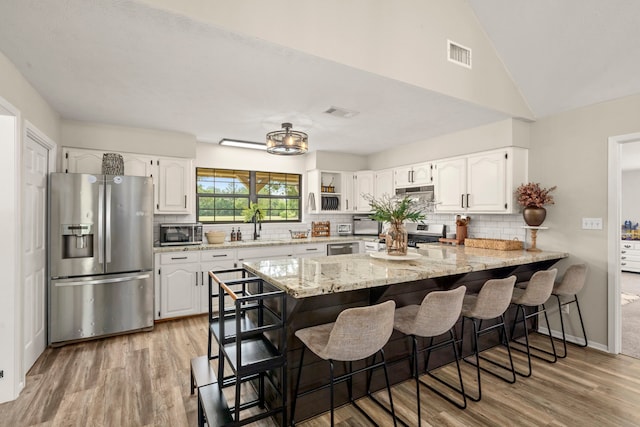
x=481 y=226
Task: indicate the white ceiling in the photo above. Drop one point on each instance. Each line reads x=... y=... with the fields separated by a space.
x=121 y=62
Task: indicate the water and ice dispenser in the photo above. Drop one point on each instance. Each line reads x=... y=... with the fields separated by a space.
x=77 y=241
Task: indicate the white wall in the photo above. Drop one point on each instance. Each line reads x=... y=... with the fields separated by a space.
x=630 y=195
x=504 y=133
x=32 y=107
x=127 y=139
x=405 y=41
x=570 y=150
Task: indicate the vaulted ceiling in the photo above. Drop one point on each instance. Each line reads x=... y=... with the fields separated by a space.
x=143 y=64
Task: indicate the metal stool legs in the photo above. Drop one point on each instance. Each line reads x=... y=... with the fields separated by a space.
x=521 y=309
x=564 y=337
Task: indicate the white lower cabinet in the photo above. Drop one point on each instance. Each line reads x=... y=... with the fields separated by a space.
x=182 y=281
x=179 y=283
x=630 y=256
x=316 y=249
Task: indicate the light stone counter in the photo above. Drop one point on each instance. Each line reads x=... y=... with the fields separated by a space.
x=307 y=277
x=258 y=243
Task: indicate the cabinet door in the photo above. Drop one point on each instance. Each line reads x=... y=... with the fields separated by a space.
x=486 y=182
x=450 y=187
x=180 y=290
x=384 y=183
x=82 y=161
x=174 y=186
x=402 y=176
x=205 y=268
x=138 y=165
x=349 y=203
x=422 y=174
x=364 y=185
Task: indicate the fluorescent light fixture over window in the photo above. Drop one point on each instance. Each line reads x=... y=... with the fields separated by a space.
x=243 y=144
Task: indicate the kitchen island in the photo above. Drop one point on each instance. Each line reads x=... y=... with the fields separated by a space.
x=319 y=288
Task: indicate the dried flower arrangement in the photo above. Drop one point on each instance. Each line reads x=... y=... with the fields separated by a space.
x=532 y=195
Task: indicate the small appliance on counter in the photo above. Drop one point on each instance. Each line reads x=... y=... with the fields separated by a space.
x=344 y=229
x=180 y=234
x=363 y=225
x=374 y=245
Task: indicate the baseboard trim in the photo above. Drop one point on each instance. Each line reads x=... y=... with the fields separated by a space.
x=573 y=339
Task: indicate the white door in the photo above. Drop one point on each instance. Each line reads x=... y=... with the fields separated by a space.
x=487 y=183
x=34 y=192
x=384 y=183
x=174 y=186
x=364 y=186
x=180 y=290
x=82 y=161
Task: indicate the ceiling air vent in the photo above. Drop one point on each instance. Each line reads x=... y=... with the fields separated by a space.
x=341 y=112
x=459 y=54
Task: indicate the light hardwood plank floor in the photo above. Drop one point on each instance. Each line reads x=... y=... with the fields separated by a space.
x=143 y=380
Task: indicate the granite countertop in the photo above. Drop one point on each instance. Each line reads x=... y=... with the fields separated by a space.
x=307 y=277
x=258 y=243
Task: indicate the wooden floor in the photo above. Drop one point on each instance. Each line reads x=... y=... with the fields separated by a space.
x=143 y=379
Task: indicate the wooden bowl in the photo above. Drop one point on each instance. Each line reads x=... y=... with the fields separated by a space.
x=215 y=236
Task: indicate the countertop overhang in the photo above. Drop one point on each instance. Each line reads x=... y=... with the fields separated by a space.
x=308 y=277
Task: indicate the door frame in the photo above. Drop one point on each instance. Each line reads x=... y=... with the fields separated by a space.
x=614 y=329
x=30 y=131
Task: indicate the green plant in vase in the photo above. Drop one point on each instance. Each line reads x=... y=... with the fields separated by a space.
x=395 y=211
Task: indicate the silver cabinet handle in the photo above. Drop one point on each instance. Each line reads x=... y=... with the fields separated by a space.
x=462 y=200
x=185 y=201
x=196 y=277
x=202 y=278
x=467 y=199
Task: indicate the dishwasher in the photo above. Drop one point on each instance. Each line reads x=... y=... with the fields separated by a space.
x=343 y=248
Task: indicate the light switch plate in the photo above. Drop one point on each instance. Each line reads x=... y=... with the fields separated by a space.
x=592 y=223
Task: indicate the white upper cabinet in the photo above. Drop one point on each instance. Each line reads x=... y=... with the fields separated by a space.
x=482 y=182
x=174 y=187
x=413 y=175
x=384 y=183
x=364 y=184
x=172 y=177
x=348 y=199
x=82 y=161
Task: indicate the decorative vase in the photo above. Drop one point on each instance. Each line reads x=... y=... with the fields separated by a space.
x=112 y=164
x=397 y=239
x=534 y=216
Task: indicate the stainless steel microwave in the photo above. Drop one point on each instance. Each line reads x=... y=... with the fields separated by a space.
x=424 y=193
x=180 y=234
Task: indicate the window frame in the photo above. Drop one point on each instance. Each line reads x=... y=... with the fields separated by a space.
x=252 y=196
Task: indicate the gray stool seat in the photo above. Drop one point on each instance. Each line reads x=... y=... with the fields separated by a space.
x=435 y=316
x=357 y=334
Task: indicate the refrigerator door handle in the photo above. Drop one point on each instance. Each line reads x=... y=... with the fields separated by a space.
x=100 y=224
x=108 y=224
x=103 y=281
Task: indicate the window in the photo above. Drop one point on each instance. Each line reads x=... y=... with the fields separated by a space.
x=222 y=195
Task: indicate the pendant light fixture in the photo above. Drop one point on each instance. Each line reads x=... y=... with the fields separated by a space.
x=287 y=142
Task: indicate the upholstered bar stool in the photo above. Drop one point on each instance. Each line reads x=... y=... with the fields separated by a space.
x=489 y=304
x=572 y=282
x=437 y=315
x=534 y=296
x=357 y=334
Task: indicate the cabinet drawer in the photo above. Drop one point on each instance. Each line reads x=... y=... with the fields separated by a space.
x=179 y=257
x=265 y=253
x=631 y=256
x=317 y=249
x=219 y=255
x=630 y=265
x=629 y=245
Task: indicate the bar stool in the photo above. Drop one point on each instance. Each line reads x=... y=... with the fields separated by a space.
x=537 y=291
x=357 y=334
x=572 y=282
x=490 y=303
x=436 y=316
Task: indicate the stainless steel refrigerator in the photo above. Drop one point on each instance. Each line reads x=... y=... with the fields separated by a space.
x=100 y=256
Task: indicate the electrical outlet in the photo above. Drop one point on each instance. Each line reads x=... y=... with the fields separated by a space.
x=565 y=309
x=592 y=223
